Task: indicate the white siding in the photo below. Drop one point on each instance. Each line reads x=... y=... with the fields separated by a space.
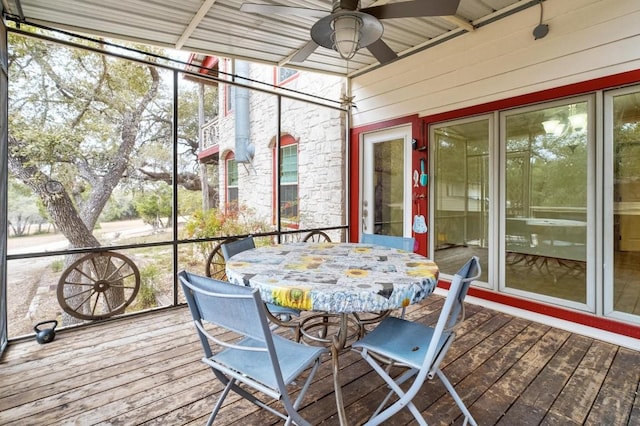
x=587 y=39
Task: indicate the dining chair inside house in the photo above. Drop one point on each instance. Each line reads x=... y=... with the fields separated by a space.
x=257 y=359
x=419 y=348
x=278 y=315
x=402 y=243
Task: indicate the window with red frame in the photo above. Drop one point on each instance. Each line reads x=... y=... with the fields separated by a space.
x=232 y=183
x=289 y=182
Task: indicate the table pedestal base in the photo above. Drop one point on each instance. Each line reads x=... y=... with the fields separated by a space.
x=337 y=331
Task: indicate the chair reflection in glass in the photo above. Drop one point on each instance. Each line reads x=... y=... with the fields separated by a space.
x=419 y=348
x=257 y=360
x=278 y=315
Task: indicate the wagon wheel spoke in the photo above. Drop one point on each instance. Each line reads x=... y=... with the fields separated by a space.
x=317 y=237
x=88 y=298
x=98 y=285
x=122 y=286
x=78 y=269
x=216 y=265
x=116 y=273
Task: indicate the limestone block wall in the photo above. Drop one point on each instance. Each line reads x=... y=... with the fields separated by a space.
x=321 y=149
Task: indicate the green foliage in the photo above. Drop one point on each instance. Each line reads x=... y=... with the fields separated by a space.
x=22 y=209
x=119 y=207
x=153 y=206
x=189 y=201
x=146 y=297
x=57 y=265
x=216 y=223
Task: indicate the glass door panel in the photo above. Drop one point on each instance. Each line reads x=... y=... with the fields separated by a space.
x=546 y=194
x=460 y=194
x=626 y=203
x=385 y=206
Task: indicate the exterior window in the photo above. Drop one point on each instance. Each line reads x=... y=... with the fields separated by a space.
x=284 y=74
x=289 y=182
x=232 y=183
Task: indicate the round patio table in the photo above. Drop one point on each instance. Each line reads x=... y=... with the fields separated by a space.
x=335 y=277
x=335 y=280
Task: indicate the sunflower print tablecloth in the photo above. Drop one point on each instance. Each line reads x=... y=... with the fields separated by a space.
x=335 y=277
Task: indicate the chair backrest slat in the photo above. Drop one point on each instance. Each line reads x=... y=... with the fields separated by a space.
x=234 y=247
x=453 y=306
x=236 y=308
x=469 y=272
x=402 y=243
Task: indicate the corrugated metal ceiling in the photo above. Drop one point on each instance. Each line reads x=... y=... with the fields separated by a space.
x=219 y=27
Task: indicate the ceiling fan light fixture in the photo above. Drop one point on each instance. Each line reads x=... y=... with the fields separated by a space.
x=346 y=34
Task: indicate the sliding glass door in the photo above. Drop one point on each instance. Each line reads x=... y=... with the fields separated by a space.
x=622 y=218
x=516 y=188
x=546 y=198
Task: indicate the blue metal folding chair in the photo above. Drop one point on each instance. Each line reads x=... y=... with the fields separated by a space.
x=419 y=348
x=278 y=315
x=257 y=359
x=403 y=243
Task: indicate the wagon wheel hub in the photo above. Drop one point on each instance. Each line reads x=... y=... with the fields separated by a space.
x=101 y=286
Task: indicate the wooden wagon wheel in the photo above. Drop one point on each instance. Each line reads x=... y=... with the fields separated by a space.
x=216 y=265
x=317 y=237
x=98 y=286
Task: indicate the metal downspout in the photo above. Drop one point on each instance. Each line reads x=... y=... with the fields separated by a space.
x=245 y=150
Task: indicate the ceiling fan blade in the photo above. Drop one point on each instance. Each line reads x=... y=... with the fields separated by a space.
x=268 y=9
x=413 y=9
x=381 y=51
x=303 y=53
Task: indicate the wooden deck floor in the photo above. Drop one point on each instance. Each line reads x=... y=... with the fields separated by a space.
x=147 y=370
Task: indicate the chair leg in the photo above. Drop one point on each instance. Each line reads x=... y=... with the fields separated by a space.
x=223 y=395
x=404 y=401
x=447 y=384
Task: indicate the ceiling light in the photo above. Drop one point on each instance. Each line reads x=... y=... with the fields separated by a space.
x=550 y=126
x=346 y=35
x=578 y=121
x=346 y=31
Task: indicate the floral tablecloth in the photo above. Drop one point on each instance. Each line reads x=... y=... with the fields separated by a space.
x=335 y=277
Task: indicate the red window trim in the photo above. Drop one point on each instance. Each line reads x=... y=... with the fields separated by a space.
x=285 y=140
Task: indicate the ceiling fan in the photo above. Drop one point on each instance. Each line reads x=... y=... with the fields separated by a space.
x=348 y=28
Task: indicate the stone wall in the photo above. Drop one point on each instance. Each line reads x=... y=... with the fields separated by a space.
x=321 y=149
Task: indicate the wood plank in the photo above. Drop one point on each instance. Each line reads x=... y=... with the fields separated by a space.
x=57 y=382
x=618 y=393
x=493 y=367
x=147 y=370
x=534 y=402
x=103 y=389
x=576 y=399
x=491 y=406
x=634 y=417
